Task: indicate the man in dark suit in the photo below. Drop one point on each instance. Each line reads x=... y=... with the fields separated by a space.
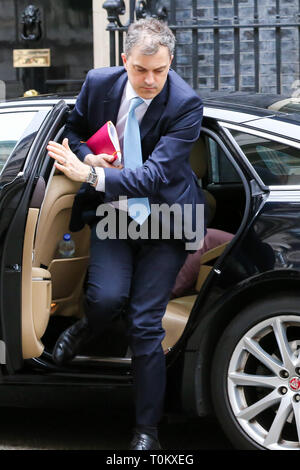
x=138 y=272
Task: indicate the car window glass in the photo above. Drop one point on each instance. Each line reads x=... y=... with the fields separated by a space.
x=12 y=127
x=276 y=163
x=290 y=108
x=222 y=170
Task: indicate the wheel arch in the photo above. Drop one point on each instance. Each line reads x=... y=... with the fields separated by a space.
x=200 y=347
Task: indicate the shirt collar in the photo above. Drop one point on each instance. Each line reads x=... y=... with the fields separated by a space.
x=131 y=93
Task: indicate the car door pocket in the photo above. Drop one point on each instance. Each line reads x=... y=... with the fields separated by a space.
x=67 y=276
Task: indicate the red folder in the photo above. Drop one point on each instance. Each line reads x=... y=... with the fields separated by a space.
x=105 y=140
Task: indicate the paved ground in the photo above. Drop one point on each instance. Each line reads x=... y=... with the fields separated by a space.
x=88 y=430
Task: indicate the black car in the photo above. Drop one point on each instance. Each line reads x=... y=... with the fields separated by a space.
x=232 y=342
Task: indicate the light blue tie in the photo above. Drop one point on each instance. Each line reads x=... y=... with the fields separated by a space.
x=138 y=208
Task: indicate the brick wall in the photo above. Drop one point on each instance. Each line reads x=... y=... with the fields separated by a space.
x=205 y=13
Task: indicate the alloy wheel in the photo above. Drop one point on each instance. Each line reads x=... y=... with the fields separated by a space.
x=263 y=383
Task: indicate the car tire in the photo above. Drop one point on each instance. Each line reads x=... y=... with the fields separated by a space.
x=255 y=376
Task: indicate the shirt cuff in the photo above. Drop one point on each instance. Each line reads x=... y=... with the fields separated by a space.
x=101 y=179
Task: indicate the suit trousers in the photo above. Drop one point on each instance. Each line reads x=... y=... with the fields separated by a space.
x=138 y=274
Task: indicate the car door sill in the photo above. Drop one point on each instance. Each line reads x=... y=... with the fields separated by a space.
x=93 y=359
x=82 y=361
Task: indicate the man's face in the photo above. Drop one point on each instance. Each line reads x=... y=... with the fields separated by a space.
x=147 y=73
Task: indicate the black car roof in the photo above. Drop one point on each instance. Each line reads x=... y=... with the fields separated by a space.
x=250 y=103
x=257 y=100
x=243 y=102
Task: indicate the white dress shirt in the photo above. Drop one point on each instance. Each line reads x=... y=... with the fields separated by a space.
x=128 y=95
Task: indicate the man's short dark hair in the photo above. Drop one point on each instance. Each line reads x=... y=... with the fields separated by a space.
x=150 y=34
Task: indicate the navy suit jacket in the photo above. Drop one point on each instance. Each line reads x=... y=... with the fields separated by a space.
x=168 y=129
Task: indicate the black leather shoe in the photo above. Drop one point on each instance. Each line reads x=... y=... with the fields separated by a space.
x=143 y=441
x=70 y=342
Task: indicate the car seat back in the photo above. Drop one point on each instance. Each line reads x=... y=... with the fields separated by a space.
x=199 y=164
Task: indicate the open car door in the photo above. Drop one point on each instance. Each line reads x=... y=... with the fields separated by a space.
x=21 y=195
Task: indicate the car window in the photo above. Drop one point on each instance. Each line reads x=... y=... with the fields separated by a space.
x=290 y=108
x=275 y=162
x=12 y=126
x=222 y=170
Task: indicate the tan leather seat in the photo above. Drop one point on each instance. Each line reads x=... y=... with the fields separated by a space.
x=67 y=274
x=178 y=310
x=199 y=164
x=175 y=319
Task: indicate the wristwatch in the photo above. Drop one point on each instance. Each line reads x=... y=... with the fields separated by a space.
x=92 y=176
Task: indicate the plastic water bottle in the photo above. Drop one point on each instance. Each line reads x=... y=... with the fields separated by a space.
x=66 y=246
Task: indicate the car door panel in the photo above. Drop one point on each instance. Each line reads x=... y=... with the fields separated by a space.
x=16 y=290
x=36 y=294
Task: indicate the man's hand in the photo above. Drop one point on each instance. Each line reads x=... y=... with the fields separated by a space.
x=103 y=160
x=71 y=166
x=67 y=162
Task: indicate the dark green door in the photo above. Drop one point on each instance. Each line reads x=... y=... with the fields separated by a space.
x=64 y=28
